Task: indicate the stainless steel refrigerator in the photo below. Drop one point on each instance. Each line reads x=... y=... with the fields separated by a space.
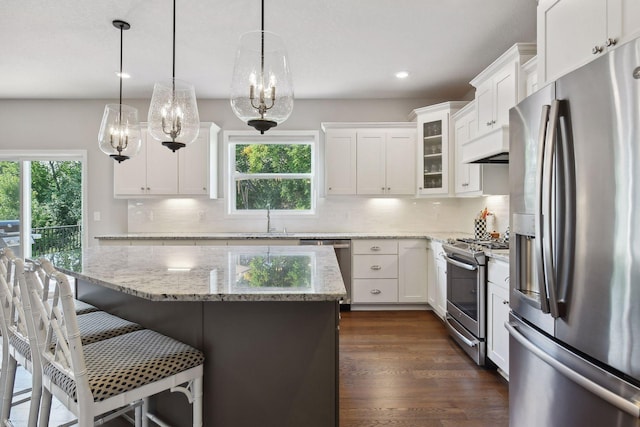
x=574 y=166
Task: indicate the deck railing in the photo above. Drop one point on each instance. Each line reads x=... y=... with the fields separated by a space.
x=56 y=239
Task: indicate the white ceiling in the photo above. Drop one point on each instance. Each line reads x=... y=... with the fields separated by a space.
x=337 y=48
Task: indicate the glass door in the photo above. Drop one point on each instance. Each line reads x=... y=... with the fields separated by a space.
x=41 y=206
x=432 y=150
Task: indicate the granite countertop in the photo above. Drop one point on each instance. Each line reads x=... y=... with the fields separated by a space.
x=213 y=273
x=433 y=235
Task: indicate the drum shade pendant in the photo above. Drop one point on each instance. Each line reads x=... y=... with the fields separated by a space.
x=119 y=134
x=262 y=87
x=173 y=113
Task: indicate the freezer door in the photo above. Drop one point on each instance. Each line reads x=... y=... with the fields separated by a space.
x=553 y=387
x=598 y=265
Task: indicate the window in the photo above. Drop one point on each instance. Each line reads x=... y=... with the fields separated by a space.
x=274 y=171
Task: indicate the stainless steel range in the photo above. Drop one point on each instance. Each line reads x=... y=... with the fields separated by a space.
x=466 y=293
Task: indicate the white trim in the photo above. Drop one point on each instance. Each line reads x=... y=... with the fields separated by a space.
x=310 y=137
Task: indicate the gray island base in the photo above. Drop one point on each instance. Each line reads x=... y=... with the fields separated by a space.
x=265 y=317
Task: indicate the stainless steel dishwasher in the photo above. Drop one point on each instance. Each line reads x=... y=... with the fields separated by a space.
x=342 y=248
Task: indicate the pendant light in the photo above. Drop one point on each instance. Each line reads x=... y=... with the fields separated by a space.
x=262 y=87
x=119 y=134
x=173 y=113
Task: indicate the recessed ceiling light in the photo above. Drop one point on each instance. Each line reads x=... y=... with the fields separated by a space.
x=123 y=75
x=402 y=74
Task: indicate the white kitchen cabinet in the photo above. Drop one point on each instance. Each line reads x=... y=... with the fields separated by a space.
x=499 y=87
x=375 y=271
x=381 y=165
x=389 y=274
x=340 y=161
x=530 y=71
x=498 y=313
x=571 y=33
x=412 y=271
x=475 y=179
x=437 y=292
x=157 y=171
x=369 y=158
x=435 y=147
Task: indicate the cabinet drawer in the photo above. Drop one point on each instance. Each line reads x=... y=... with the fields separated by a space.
x=375 y=290
x=381 y=246
x=498 y=272
x=375 y=266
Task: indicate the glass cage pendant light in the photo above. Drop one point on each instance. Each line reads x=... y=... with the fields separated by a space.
x=173 y=114
x=119 y=134
x=262 y=87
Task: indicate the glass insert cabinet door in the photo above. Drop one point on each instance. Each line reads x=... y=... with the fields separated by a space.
x=432 y=154
x=435 y=161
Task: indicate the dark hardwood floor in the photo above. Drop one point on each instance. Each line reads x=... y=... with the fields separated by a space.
x=401 y=369
x=397 y=369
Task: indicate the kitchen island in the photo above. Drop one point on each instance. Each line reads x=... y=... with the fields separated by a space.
x=265 y=317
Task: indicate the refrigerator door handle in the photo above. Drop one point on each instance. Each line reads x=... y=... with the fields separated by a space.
x=547 y=220
x=540 y=195
x=631 y=407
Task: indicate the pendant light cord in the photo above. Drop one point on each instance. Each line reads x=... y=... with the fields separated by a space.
x=121 y=49
x=174 y=41
x=262 y=47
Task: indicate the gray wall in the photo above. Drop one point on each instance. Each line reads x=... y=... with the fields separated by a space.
x=73 y=124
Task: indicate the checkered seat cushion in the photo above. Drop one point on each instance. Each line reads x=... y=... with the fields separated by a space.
x=126 y=362
x=83 y=307
x=94 y=326
x=100 y=325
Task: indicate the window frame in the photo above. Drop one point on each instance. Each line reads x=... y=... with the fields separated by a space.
x=233 y=138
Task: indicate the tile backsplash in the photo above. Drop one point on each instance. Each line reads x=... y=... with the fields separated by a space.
x=335 y=214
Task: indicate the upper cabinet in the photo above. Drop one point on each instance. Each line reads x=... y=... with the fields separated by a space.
x=475 y=179
x=340 y=161
x=369 y=158
x=573 y=32
x=157 y=171
x=435 y=149
x=498 y=88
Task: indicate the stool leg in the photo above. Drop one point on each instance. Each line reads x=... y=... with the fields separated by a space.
x=197 y=402
x=144 y=410
x=36 y=394
x=9 y=382
x=45 y=407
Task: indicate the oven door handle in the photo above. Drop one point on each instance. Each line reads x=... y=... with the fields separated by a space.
x=464 y=339
x=460 y=264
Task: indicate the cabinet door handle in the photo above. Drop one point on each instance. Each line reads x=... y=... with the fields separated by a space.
x=376 y=291
x=375 y=248
x=506 y=279
x=597 y=49
x=142 y=188
x=611 y=42
x=388 y=188
x=488 y=123
x=376 y=267
x=505 y=302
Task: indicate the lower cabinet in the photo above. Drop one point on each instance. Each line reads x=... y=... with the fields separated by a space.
x=389 y=273
x=498 y=314
x=437 y=292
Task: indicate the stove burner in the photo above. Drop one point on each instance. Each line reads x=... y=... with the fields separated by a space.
x=489 y=244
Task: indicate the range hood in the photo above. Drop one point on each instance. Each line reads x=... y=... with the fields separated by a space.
x=490 y=147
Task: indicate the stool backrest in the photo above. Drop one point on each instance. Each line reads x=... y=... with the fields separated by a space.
x=11 y=299
x=62 y=344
